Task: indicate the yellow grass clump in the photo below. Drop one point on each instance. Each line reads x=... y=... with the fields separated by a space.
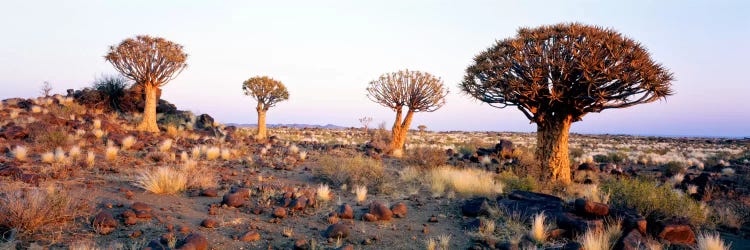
x=323 y=192
x=110 y=153
x=48 y=157
x=90 y=159
x=361 y=193
x=165 y=145
x=213 y=153
x=464 y=181
x=601 y=238
x=708 y=241
x=128 y=142
x=539 y=228
x=162 y=180
x=20 y=153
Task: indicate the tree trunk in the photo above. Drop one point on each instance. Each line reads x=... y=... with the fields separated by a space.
x=399 y=131
x=261 y=124
x=552 y=147
x=148 y=124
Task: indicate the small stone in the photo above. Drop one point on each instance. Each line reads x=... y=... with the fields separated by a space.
x=104 y=223
x=399 y=210
x=369 y=217
x=433 y=219
x=346 y=212
x=194 y=242
x=301 y=244
x=337 y=231
x=250 y=236
x=136 y=234
x=140 y=207
x=209 y=223
x=279 y=212
x=381 y=211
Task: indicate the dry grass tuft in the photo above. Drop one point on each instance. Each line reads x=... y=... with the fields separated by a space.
x=74 y=152
x=463 y=181
x=90 y=159
x=707 y=241
x=165 y=145
x=213 y=153
x=98 y=133
x=32 y=209
x=539 y=228
x=361 y=193
x=20 y=153
x=128 y=142
x=323 y=192
x=226 y=154
x=356 y=170
x=110 y=153
x=162 y=180
x=48 y=157
x=602 y=239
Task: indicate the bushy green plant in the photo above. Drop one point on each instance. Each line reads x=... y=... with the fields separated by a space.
x=113 y=88
x=674 y=167
x=649 y=199
x=513 y=182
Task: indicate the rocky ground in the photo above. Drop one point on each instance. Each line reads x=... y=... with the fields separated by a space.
x=243 y=193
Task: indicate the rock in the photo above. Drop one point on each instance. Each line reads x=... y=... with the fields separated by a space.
x=574 y=225
x=589 y=208
x=299 y=204
x=630 y=220
x=346 y=212
x=633 y=240
x=194 y=242
x=337 y=231
x=433 y=219
x=209 y=223
x=333 y=219
x=210 y=192
x=156 y=245
x=104 y=223
x=476 y=207
x=11 y=171
x=131 y=221
x=588 y=166
x=369 y=217
x=530 y=203
x=301 y=244
x=204 y=121
x=504 y=148
x=506 y=246
x=140 y=207
x=399 y=210
x=14 y=132
x=250 y=236
x=381 y=211
x=236 y=199
x=279 y=212
x=676 y=233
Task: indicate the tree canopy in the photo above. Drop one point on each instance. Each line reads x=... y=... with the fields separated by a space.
x=419 y=91
x=267 y=91
x=566 y=69
x=148 y=60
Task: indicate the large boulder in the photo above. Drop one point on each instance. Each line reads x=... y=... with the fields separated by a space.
x=675 y=231
x=589 y=208
x=104 y=222
x=194 y=242
x=382 y=212
x=476 y=207
x=530 y=203
x=338 y=230
x=204 y=121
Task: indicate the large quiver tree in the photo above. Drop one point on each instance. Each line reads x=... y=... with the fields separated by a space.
x=150 y=62
x=417 y=91
x=557 y=74
x=267 y=92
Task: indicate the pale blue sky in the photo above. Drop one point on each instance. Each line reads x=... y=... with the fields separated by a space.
x=327 y=51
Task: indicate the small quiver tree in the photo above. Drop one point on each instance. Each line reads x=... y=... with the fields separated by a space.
x=417 y=91
x=150 y=62
x=267 y=92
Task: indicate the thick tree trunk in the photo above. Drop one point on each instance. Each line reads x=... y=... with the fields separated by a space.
x=262 y=133
x=148 y=124
x=399 y=132
x=552 y=147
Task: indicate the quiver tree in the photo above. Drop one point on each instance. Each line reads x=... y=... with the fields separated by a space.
x=417 y=91
x=557 y=74
x=267 y=92
x=150 y=62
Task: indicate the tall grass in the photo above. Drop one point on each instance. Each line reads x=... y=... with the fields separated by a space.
x=464 y=181
x=162 y=180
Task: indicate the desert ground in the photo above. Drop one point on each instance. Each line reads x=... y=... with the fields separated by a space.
x=75 y=175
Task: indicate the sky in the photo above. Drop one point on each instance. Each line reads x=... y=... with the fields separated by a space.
x=326 y=52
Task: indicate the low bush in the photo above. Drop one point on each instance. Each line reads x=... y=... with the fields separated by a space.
x=513 y=182
x=425 y=157
x=352 y=171
x=162 y=180
x=649 y=199
x=30 y=210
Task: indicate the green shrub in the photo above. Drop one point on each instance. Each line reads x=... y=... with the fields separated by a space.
x=612 y=157
x=113 y=88
x=673 y=168
x=649 y=199
x=352 y=171
x=513 y=182
x=425 y=157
